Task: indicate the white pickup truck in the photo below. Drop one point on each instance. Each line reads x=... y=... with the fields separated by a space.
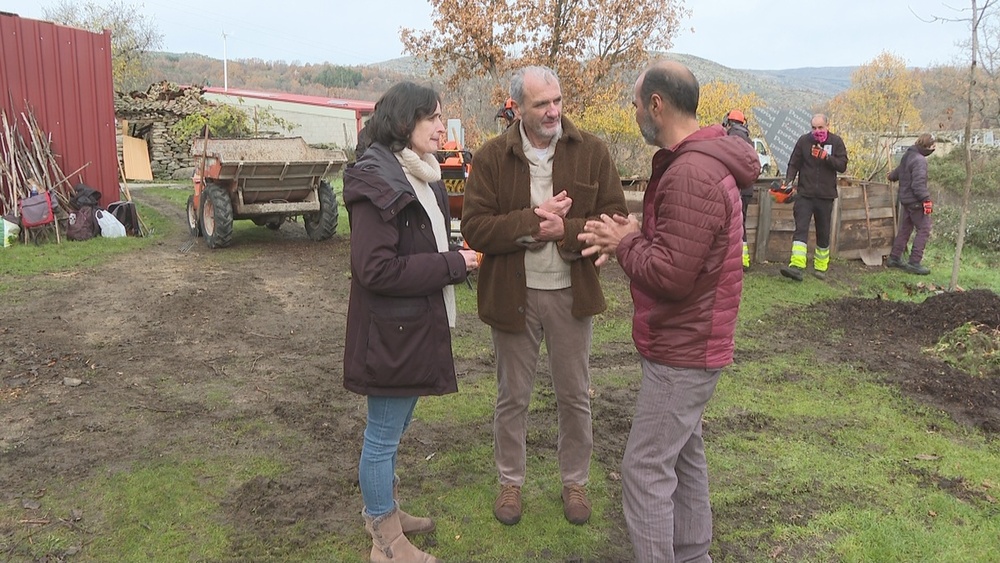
x=767 y=167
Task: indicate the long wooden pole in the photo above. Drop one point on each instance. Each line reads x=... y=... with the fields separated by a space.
x=28 y=156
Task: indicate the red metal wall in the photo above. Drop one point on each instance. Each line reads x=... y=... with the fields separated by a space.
x=63 y=74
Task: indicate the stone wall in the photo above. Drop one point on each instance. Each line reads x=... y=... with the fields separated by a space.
x=150 y=116
x=168 y=157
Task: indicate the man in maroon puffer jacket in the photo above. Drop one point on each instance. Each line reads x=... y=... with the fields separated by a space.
x=684 y=262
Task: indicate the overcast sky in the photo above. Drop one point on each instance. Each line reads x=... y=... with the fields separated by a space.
x=746 y=34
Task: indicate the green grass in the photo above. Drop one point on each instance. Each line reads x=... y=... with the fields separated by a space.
x=161 y=511
x=467 y=531
x=473 y=403
x=30 y=259
x=972 y=348
x=473 y=341
x=819 y=462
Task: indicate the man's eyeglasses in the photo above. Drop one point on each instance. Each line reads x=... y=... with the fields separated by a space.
x=815 y=127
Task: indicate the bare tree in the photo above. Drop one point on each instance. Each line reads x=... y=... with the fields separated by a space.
x=133 y=36
x=978 y=15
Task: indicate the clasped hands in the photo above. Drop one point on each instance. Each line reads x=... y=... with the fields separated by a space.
x=552 y=212
x=603 y=235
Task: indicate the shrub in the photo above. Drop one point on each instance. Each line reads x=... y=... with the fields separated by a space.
x=948 y=171
x=226 y=121
x=982 y=229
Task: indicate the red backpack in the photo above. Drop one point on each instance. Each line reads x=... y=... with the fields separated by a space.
x=36 y=210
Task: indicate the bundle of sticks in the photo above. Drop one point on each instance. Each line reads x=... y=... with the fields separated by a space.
x=27 y=160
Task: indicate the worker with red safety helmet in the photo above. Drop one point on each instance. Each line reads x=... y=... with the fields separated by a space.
x=735 y=117
x=507 y=112
x=736 y=125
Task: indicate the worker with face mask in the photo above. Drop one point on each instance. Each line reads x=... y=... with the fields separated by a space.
x=915 y=199
x=817 y=158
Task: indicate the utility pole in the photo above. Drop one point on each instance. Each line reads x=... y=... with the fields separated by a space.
x=225 y=63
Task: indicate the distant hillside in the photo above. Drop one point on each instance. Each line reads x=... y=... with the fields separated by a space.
x=792 y=88
x=778 y=89
x=828 y=81
x=788 y=89
x=410 y=66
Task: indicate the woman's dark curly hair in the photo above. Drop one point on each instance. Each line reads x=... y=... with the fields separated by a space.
x=398 y=111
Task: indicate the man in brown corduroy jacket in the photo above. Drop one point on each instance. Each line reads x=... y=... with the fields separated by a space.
x=529 y=195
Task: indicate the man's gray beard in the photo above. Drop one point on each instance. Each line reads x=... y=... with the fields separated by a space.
x=544 y=133
x=648 y=128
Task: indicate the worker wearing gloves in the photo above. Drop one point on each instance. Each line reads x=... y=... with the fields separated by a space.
x=915 y=199
x=817 y=158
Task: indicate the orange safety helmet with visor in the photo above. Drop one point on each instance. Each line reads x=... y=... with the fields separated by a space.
x=734 y=115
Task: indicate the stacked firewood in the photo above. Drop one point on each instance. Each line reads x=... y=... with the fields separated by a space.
x=161 y=97
x=28 y=162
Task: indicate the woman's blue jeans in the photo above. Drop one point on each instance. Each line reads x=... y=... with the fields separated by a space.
x=388 y=418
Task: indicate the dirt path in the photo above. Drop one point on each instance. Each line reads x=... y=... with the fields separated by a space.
x=176 y=347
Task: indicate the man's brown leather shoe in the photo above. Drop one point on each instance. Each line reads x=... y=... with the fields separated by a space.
x=507 y=507
x=576 y=507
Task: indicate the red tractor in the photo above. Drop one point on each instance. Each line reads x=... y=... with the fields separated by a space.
x=268 y=181
x=456 y=163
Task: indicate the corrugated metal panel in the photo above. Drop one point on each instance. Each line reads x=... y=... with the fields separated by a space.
x=63 y=75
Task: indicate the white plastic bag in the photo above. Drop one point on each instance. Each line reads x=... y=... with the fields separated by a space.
x=111 y=227
x=10 y=232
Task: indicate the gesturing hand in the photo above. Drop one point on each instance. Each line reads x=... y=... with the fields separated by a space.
x=602 y=236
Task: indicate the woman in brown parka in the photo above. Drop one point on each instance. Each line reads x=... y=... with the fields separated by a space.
x=402 y=302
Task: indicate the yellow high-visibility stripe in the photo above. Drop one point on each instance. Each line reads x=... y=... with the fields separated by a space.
x=821 y=260
x=799 y=250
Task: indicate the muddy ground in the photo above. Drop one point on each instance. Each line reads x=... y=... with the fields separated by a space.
x=177 y=344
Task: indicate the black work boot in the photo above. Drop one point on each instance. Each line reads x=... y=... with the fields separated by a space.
x=917 y=269
x=893 y=262
x=792 y=272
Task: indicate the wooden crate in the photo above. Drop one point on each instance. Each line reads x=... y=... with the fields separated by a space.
x=860 y=224
x=851 y=220
x=770 y=225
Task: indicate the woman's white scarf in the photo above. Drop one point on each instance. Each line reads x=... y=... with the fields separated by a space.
x=421 y=171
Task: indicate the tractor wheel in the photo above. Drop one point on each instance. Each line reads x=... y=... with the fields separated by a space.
x=194 y=226
x=323 y=224
x=216 y=216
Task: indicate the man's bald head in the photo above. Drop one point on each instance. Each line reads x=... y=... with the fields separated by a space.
x=674 y=82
